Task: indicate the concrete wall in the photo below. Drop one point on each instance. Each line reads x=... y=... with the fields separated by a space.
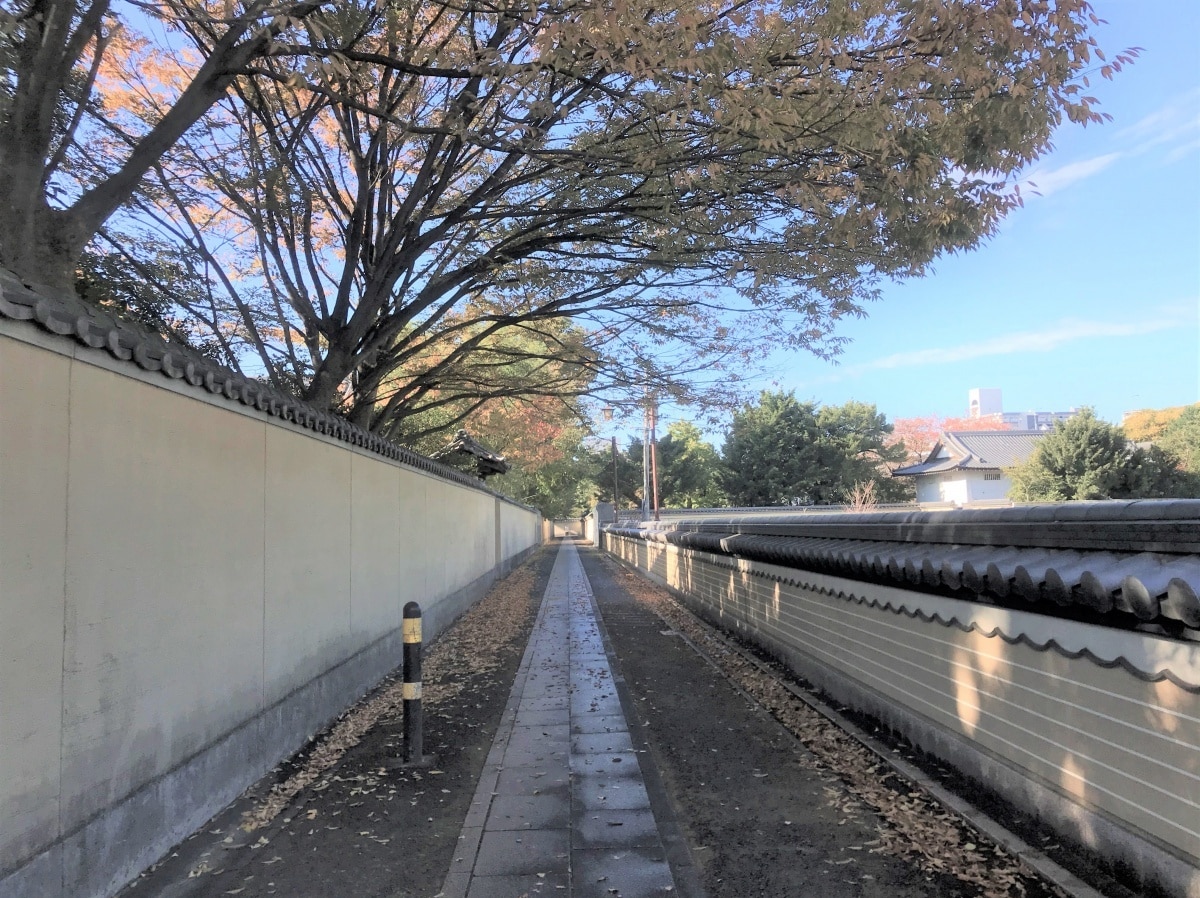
x=188 y=591
x=1094 y=730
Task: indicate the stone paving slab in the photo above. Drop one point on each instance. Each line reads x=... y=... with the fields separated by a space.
x=603 y=791
x=505 y=852
x=605 y=873
x=614 y=828
x=545 y=811
x=561 y=807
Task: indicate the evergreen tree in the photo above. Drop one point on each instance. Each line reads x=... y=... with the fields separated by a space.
x=688 y=469
x=786 y=452
x=1087 y=458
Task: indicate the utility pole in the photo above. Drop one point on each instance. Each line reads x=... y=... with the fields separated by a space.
x=646 y=462
x=651 y=444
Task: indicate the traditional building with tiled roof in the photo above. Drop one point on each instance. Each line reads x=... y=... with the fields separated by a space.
x=967 y=467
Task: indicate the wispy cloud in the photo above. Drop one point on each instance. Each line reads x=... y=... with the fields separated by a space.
x=1069 y=330
x=1176 y=122
x=1182 y=150
x=1174 y=126
x=1048 y=181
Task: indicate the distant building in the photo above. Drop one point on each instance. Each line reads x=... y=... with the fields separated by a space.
x=966 y=467
x=984 y=402
x=987 y=403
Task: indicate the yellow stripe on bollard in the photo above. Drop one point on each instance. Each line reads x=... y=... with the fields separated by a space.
x=410 y=692
x=412 y=629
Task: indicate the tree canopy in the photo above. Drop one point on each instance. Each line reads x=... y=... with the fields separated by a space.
x=561 y=481
x=378 y=206
x=1181 y=438
x=1148 y=424
x=1087 y=458
x=688 y=469
x=786 y=452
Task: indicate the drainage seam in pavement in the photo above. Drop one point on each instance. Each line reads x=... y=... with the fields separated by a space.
x=679 y=855
x=458 y=879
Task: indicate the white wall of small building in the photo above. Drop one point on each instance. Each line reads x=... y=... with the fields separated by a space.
x=981 y=488
x=962 y=487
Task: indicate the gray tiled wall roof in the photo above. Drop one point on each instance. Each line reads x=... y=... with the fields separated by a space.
x=1126 y=563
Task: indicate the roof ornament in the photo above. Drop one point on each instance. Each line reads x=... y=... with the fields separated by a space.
x=465 y=448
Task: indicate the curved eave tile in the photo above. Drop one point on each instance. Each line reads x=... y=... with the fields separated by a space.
x=1132 y=587
x=1149 y=657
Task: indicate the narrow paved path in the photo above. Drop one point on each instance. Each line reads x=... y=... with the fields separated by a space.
x=562 y=807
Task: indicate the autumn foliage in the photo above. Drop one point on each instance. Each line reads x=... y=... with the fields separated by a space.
x=1148 y=424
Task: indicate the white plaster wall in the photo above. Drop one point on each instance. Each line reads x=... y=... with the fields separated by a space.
x=164 y=624
x=480 y=539
x=439 y=529
x=34 y=391
x=953 y=488
x=375 y=550
x=563 y=527
x=928 y=490
x=412 y=555
x=961 y=488
x=517 y=529
x=306 y=603
x=187 y=589
x=982 y=490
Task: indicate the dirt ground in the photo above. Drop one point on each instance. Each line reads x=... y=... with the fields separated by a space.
x=770 y=799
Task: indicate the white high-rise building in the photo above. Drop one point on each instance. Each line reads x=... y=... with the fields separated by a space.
x=984 y=401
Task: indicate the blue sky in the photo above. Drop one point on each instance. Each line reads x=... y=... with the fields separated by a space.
x=1090 y=294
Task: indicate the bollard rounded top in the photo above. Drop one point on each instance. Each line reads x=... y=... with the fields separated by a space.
x=412 y=609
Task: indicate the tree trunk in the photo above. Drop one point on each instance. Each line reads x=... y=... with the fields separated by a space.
x=325 y=389
x=39 y=247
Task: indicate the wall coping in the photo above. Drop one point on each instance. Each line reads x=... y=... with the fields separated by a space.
x=68 y=320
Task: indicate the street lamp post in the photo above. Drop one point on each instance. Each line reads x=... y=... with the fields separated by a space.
x=616 y=492
x=608 y=416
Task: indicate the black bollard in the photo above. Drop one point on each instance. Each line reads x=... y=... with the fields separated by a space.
x=411 y=690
